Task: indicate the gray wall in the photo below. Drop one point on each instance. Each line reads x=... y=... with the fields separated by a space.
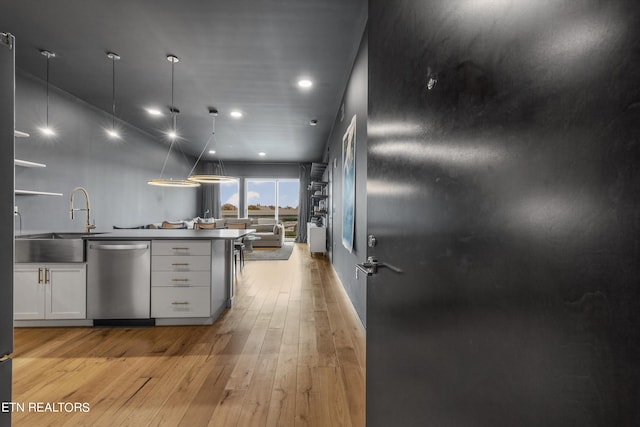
x=355 y=103
x=262 y=170
x=113 y=172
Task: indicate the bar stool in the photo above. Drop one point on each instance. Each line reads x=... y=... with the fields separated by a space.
x=238 y=252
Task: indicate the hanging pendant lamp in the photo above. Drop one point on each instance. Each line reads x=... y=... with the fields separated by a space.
x=214 y=178
x=113 y=133
x=46 y=130
x=172 y=134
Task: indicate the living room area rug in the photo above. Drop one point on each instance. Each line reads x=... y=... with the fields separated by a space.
x=270 y=254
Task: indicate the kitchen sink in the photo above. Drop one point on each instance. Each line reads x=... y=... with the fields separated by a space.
x=50 y=236
x=51 y=247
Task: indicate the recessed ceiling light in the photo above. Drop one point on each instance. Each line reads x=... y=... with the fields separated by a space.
x=47 y=131
x=113 y=133
x=172 y=134
x=154 y=111
x=212 y=151
x=236 y=114
x=305 y=83
x=262 y=154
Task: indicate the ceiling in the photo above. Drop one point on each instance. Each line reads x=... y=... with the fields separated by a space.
x=240 y=54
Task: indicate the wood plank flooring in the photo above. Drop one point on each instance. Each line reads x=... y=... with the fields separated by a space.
x=291 y=352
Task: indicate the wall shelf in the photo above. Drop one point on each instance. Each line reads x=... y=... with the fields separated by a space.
x=318 y=207
x=35 y=193
x=317 y=170
x=28 y=164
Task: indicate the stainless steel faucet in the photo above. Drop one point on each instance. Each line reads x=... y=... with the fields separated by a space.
x=87 y=208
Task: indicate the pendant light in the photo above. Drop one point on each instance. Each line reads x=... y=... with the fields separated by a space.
x=173 y=134
x=164 y=182
x=113 y=133
x=46 y=130
x=215 y=178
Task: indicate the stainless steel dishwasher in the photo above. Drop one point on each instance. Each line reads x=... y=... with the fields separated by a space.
x=118 y=281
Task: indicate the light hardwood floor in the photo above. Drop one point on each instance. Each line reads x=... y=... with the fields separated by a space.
x=291 y=352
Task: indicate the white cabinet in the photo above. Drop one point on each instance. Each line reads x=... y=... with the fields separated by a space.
x=316 y=238
x=177 y=301
x=180 y=279
x=50 y=291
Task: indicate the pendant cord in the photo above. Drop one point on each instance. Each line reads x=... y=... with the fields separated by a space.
x=166 y=158
x=213 y=132
x=113 y=92
x=173 y=109
x=48 y=91
x=173 y=116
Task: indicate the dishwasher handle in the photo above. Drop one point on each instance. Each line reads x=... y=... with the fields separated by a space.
x=120 y=247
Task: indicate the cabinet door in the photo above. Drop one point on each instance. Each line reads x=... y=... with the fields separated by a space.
x=180 y=247
x=28 y=294
x=66 y=292
x=169 y=302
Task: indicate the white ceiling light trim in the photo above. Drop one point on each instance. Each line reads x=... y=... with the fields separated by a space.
x=305 y=83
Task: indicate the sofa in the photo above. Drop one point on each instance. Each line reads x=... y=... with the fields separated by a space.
x=270 y=231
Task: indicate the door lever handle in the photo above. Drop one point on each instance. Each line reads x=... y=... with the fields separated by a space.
x=371 y=266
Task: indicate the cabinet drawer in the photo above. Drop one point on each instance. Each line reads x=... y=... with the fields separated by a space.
x=180 y=278
x=181 y=263
x=181 y=247
x=180 y=302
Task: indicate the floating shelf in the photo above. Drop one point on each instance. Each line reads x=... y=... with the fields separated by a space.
x=317 y=170
x=27 y=164
x=35 y=193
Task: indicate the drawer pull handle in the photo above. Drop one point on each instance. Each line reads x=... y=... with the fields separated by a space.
x=180 y=249
x=180 y=303
x=180 y=264
x=179 y=280
x=39 y=275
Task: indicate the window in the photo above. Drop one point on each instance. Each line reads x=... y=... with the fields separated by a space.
x=261 y=198
x=274 y=198
x=229 y=199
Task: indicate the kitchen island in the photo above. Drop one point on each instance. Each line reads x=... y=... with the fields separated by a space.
x=191 y=278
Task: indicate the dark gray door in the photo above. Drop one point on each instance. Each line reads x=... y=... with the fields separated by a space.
x=503 y=153
x=7 y=79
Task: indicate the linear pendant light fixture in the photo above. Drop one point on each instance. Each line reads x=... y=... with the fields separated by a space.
x=46 y=130
x=214 y=178
x=173 y=134
x=164 y=182
x=113 y=133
